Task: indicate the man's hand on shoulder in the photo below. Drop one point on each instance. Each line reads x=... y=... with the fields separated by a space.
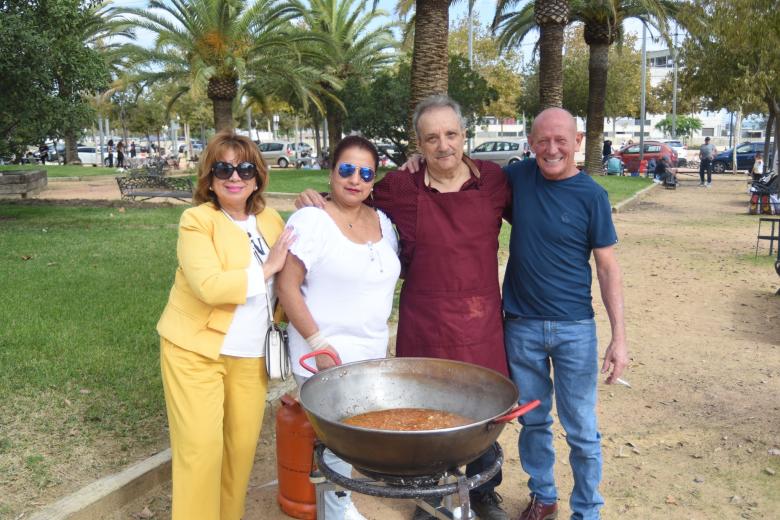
x=309 y=197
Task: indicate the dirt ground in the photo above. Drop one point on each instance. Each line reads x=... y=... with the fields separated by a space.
x=698 y=434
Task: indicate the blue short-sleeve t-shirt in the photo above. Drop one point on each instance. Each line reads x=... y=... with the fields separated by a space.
x=556 y=226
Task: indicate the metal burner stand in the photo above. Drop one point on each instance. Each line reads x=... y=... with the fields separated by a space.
x=418 y=488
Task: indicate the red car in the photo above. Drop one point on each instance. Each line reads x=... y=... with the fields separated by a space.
x=653 y=150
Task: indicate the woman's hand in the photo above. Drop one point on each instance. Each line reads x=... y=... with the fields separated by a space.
x=324 y=361
x=278 y=253
x=309 y=198
x=413 y=163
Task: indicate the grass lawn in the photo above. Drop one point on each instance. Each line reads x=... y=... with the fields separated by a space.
x=63 y=170
x=79 y=370
x=621 y=188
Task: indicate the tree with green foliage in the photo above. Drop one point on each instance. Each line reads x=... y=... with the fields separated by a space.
x=685 y=125
x=48 y=90
x=732 y=67
x=501 y=69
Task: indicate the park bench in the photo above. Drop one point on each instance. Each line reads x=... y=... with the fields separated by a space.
x=146 y=187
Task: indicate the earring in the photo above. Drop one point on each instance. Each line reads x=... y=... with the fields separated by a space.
x=256 y=188
x=211 y=189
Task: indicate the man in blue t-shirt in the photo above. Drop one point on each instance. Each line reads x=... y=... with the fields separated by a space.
x=561 y=217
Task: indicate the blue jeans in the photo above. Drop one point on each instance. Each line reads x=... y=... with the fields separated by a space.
x=570 y=347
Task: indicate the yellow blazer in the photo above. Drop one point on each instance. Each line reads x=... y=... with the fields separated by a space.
x=211 y=278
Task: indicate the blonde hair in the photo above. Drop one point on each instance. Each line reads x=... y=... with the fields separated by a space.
x=246 y=151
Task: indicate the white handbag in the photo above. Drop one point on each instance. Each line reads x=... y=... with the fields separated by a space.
x=276 y=349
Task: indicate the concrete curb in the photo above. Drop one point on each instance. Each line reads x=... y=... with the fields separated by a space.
x=108 y=494
x=633 y=200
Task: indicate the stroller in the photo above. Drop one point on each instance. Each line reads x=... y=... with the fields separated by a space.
x=765 y=195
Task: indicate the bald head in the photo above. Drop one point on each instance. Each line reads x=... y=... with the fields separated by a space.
x=555 y=115
x=554 y=140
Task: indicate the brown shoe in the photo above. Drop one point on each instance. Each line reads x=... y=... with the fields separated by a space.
x=487 y=506
x=538 y=511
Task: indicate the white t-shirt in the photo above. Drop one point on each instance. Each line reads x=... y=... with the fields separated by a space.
x=246 y=335
x=348 y=286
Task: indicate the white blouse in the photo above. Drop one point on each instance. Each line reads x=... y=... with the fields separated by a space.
x=348 y=286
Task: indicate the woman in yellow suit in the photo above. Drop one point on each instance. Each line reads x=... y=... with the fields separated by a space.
x=213 y=329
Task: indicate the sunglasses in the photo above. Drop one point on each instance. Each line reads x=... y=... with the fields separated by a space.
x=346 y=170
x=223 y=170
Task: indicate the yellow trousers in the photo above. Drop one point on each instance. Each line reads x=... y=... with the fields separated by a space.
x=215 y=411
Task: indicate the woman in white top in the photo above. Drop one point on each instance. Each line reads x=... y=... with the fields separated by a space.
x=213 y=328
x=337 y=284
x=758 y=166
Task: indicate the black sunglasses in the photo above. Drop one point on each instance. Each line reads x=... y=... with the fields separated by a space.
x=224 y=170
x=347 y=170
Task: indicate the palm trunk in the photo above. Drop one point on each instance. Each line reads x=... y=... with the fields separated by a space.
x=550 y=66
x=223 y=114
x=597 y=92
x=429 y=58
x=334 y=119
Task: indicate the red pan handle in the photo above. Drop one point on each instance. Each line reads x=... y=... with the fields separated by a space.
x=336 y=359
x=517 y=412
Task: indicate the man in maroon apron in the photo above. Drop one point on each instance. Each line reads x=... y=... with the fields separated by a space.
x=448 y=216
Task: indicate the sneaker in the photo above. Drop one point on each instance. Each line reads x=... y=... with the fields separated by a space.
x=709 y=185
x=488 y=506
x=352 y=513
x=701 y=185
x=538 y=511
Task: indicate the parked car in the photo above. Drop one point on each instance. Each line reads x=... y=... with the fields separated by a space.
x=653 y=150
x=90 y=155
x=680 y=149
x=501 y=152
x=746 y=156
x=281 y=153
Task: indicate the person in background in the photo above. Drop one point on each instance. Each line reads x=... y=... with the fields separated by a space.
x=110 y=148
x=338 y=283
x=120 y=154
x=606 y=151
x=707 y=153
x=614 y=166
x=132 y=150
x=213 y=328
x=758 y=166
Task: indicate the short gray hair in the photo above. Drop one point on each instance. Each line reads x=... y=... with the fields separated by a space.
x=436 y=101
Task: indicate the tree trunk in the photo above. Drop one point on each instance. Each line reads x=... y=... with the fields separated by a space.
x=71 y=147
x=317 y=145
x=429 y=57
x=550 y=66
x=597 y=92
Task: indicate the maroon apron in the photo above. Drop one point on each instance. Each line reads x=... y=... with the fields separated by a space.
x=450 y=303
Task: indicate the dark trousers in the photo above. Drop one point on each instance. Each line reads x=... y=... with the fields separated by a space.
x=481 y=464
x=706 y=164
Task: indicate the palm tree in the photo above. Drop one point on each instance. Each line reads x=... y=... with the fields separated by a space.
x=350 y=45
x=551 y=17
x=603 y=26
x=98 y=27
x=211 y=42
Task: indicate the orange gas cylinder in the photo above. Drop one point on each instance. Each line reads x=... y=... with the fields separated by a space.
x=294 y=450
